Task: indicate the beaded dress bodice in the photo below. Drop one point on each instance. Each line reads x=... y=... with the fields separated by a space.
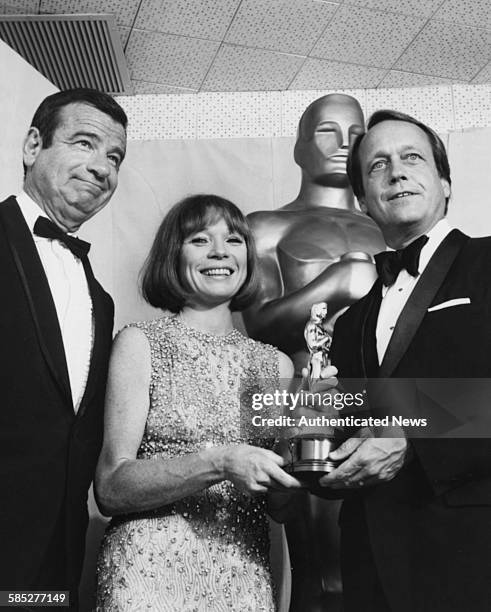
x=208 y=551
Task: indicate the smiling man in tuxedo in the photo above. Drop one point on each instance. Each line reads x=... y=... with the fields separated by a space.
x=416 y=520
x=56 y=327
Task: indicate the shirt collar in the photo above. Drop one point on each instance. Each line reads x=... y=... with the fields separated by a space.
x=32 y=211
x=436 y=236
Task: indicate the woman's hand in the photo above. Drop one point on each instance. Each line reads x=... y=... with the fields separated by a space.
x=255 y=470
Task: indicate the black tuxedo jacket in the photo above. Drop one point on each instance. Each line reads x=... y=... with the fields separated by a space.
x=47 y=452
x=429 y=529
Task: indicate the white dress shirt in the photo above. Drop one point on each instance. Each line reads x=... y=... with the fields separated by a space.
x=394 y=298
x=70 y=291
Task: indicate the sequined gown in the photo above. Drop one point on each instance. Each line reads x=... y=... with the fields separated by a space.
x=208 y=551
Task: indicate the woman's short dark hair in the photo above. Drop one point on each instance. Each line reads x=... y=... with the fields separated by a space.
x=437 y=146
x=162 y=285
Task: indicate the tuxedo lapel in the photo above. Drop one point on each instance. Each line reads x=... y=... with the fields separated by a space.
x=369 y=326
x=38 y=293
x=420 y=299
x=98 y=323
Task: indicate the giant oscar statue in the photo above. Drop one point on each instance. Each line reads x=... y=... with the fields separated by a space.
x=317 y=248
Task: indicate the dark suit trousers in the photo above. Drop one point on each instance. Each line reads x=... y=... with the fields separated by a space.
x=362 y=590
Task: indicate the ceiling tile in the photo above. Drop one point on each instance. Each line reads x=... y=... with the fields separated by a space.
x=467 y=12
x=165 y=58
x=293 y=104
x=421 y=8
x=244 y=69
x=124 y=34
x=370 y=38
x=472 y=106
x=124 y=10
x=432 y=105
x=447 y=50
x=316 y=73
x=259 y=114
x=145 y=87
x=396 y=78
x=291 y=26
x=200 y=18
x=19 y=7
x=484 y=76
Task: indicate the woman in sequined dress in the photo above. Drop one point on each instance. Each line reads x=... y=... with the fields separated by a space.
x=177 y=471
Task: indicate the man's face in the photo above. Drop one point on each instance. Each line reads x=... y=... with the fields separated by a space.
x=327 y=134
x=404 y=194
x=76 y=176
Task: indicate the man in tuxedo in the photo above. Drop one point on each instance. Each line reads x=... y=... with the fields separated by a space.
x=56 y=327
x=416 y=520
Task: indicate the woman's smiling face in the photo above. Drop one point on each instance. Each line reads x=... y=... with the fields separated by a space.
x=213 y=264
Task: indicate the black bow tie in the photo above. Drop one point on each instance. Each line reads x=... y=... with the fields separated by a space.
x=390 y=263
x=47 y=229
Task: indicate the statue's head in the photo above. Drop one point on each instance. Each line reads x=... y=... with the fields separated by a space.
x=318 y=311
x=326 y=132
